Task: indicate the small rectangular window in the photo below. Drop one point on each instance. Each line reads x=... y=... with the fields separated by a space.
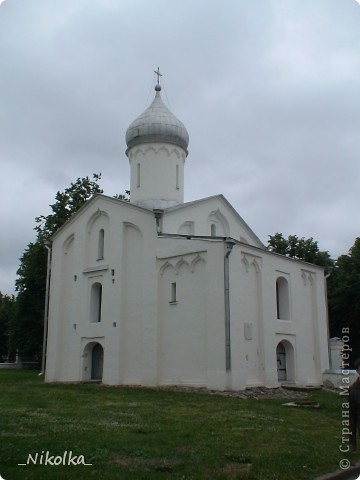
x=99 y=304
x=95 y=302
x=100 y=255
x=138 y=175
x=177 y=177
x=173 y=293
x=277 y=302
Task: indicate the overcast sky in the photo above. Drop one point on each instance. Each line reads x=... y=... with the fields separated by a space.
x=269 y=91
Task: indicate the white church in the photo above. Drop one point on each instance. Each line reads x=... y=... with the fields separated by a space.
x=156 y=291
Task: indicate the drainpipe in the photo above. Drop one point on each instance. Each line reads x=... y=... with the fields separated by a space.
x=329 y=272
x=229 y=242
x=47 y=245
x=158 y=216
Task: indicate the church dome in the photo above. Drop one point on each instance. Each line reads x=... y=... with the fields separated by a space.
x=157 y=124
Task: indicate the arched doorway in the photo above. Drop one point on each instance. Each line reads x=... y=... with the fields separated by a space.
x=285 y=361
x=97 y=362
x=281 y=362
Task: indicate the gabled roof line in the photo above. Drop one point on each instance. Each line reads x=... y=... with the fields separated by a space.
x=89 y=202
x=221 y=197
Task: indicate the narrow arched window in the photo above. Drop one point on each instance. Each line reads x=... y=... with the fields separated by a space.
x=282 y=299
x=101 y=243
x=173 y=293
x=96 y=302
x=177 y=177
x=213 y=230
x=138 y=175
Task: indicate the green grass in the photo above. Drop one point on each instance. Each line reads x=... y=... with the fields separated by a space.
x=143 y=433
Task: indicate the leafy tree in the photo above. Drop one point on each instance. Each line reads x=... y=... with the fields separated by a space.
x=305 y=249
x=125 y=197
x=344 y=298
x=27 y=327
x=67 y=203
x=7 y=310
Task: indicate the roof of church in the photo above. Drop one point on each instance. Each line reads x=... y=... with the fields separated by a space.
x=228 y=204
x=157 y=124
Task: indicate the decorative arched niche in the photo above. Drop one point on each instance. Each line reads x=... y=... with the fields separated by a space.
x=217 y=224
x=68 y=243
x=67 y=261
x=97 y=238
x=187 y=228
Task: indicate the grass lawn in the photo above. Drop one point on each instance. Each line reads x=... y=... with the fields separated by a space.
x=143 y=433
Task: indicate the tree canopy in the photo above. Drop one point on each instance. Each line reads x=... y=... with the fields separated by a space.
x=306 y=249
x=344 y=297
x=7 y=310
x=67 y=203
x=27 y=326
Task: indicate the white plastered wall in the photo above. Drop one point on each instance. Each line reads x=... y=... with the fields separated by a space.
x=148 y=341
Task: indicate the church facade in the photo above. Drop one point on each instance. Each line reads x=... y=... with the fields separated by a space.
x=160 y=292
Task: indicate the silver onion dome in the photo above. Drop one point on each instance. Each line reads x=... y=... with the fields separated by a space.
x=157 y=124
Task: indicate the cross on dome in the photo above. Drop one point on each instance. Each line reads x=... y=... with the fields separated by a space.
x=158 y=74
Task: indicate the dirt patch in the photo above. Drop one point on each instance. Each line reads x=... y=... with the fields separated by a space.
x=254 y=392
